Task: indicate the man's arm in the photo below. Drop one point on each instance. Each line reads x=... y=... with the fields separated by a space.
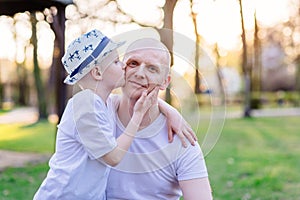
x=198 y=188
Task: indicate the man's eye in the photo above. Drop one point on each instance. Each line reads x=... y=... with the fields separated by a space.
x=152 y=69
x=132 y=64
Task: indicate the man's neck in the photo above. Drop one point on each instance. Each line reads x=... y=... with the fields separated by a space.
x=125 y=112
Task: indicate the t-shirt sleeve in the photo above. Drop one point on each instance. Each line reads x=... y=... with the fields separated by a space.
x=113 y=102
x=191 y=164
x=93 y=124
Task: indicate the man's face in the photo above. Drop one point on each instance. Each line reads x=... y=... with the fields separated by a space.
x=145 y=69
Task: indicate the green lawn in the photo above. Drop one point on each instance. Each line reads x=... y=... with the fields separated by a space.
x=255 y=159
x=39 y=137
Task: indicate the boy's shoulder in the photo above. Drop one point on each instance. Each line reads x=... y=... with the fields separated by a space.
x=84 y=93
x=86 y=97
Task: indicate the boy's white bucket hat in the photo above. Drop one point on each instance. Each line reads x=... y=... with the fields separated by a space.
x=83 y=51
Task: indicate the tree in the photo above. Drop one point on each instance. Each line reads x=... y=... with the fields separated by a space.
x=22 y=73
x=283 y=36
x=197 y=49
x=256 y=68
x=245 y=67
x=166 y=38
x=42 y=105
x=56 y=19
x=220 y=75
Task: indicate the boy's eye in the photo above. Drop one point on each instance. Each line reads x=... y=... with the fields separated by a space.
x=117 y=61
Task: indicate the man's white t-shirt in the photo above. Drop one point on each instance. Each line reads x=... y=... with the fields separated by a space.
x=85 y=134
x=153 y=167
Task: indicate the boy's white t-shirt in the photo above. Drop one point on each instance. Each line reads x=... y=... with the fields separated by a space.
x=153 y=167
x=85 y=134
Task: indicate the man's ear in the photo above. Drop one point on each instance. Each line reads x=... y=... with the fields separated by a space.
x=96 y=73
x=166 y=83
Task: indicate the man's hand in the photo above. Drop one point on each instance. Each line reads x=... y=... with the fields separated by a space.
x=146 y=101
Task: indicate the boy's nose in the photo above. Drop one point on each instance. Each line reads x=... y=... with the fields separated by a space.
x=123 y=65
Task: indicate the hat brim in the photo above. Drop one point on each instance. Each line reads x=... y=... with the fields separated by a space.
x=109 y=48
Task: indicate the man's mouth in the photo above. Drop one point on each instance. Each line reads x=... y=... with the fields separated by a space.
x=139 y=84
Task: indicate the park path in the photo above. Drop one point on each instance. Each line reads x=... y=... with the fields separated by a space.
x=29 y=115
x=267 y=112
x=20 y=159
x=26 y=115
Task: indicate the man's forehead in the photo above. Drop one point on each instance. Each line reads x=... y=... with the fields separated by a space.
x=147 y=43
x=148 y=57
x=143 y=51
x=146 y=48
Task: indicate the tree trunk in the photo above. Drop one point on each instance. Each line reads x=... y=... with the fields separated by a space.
x=197 y=50
x=42 y=105
x=256 y=70
x=23 y=89
x=57 y=70
x=166 y=37
x=246 y=74
x=1 y=89
x=220 y=76
x=298 y=78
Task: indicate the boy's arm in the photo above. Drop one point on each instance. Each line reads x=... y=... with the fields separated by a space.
x=115 y=156
x=124 y=141
x=176 y=124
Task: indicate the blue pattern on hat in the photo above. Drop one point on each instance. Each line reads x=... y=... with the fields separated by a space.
x=83 y=51
x=65 y=63
x=91 y=57
x=76 y=41
x=89 y=47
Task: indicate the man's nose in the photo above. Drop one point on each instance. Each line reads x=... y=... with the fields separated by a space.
x=140 y=72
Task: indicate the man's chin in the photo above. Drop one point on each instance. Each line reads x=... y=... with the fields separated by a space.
x=136 y=94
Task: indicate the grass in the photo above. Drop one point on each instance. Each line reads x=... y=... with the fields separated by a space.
x=21 y=183
x=38 y=137
x=253 y=159
x=257 y=159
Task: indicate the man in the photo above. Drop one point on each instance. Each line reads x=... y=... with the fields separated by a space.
x=154 y=168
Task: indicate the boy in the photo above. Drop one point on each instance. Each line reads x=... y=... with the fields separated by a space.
x=85 y=142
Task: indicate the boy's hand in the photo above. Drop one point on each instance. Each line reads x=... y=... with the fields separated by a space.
x=182 y=129
x=176 y=124
x=146 y=101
